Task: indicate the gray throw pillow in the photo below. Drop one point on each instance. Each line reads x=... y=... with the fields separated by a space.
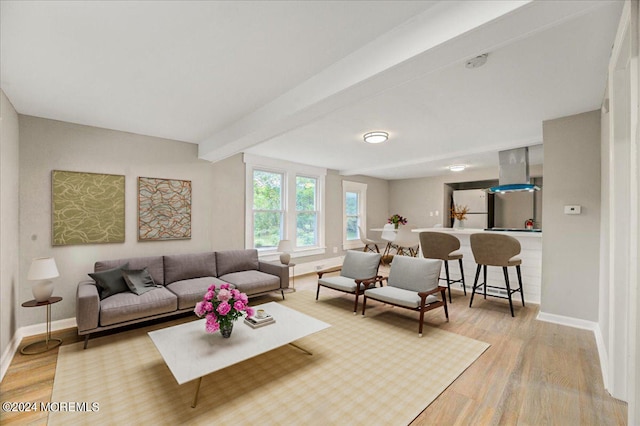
x=138 y=280
x=110 y=281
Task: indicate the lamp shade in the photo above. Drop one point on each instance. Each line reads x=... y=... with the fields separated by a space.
x=285 y=246
x=43 y=268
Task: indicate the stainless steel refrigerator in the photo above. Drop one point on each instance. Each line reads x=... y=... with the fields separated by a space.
x=476 y=201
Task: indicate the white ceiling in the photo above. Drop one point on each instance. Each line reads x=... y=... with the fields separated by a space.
x=304 y=80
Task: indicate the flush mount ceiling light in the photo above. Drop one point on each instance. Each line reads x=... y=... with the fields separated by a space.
x=457 y=167
x=376 y=137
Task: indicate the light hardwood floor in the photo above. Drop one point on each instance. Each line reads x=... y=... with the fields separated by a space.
x=534 y=373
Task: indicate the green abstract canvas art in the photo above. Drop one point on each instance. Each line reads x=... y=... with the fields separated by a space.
x=88 y=208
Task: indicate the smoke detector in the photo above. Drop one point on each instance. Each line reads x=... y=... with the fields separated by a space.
x=477 y=62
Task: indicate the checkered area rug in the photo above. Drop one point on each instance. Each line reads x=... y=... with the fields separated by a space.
x=364 y=371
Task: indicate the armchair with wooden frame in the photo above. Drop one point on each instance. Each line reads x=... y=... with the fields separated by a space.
x=412 y=284
x=358 y=272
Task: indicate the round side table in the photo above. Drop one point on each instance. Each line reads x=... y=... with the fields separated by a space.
x=48 y=343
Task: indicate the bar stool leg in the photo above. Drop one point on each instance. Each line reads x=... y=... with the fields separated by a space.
x=475 y=285
x=484 y=272
x=506 y=280
x=464 y=286
x=446 y=271
x=520 y=283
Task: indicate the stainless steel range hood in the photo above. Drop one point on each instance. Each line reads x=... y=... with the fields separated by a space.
x=514 y=172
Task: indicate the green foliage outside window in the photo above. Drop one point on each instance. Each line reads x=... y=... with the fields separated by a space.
x=352 y=211
x=267 y=208
x=306 y=213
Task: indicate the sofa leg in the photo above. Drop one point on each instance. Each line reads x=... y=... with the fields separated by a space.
x=86 y=340
x=282 y=291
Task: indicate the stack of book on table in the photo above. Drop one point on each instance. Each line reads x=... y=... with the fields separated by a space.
x=255 y=322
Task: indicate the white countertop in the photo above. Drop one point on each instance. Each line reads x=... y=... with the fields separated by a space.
x=468 y=231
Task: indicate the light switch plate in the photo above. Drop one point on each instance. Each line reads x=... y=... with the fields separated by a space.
x=572 y=209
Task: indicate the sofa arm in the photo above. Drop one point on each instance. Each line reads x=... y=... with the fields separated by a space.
x=277 y=269
x=87 y=306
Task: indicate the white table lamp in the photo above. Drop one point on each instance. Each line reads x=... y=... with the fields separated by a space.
x=285 y=247
x=42 y=270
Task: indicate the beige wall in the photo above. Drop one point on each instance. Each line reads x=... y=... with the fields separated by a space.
x=571 y=243
x=9 y=220
x=47 y=145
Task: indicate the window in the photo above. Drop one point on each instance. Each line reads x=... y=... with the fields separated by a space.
x=268 y=212
x=354 y=198
x=306 y=212
x=284 y=201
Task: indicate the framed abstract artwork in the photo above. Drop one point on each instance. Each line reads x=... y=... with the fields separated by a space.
x=164 y=209
x=87 y=208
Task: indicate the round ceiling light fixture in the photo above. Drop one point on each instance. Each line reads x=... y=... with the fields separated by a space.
x=457 y=167
x=376 y=137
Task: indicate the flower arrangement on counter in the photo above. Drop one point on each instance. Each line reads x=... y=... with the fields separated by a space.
x=396 y=219
x=221 y=309
x=459 y=212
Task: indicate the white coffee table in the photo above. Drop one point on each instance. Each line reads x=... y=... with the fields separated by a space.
x=191 y=353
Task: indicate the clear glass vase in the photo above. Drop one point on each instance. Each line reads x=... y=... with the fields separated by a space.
x=226 y=329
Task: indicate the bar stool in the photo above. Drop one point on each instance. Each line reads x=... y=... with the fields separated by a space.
x=496 y=250
x=439 y=245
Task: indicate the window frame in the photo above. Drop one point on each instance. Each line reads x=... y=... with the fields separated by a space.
x=361 y=189
x=290 y=172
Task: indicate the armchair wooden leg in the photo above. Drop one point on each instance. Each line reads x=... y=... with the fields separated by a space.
x=444 y=300
x=364 y=304
x=318 y=292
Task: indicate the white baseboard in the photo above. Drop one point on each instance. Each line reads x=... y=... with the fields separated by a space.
x=312 y=267
x=568 y=321
x=585 y=325
x=30 y=330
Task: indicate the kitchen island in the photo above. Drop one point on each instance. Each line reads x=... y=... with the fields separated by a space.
x=531 y=255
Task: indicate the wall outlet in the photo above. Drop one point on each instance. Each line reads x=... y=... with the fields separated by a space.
x=437 y=213
x=431 y=214
x=335 y=249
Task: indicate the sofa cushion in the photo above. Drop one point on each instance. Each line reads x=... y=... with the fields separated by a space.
x=128 y=306
x=185 y=266
x=138 y=280
x=154 y=265
x=252 y=282
x=230 y=261
x=110 y=281
x=192 y=291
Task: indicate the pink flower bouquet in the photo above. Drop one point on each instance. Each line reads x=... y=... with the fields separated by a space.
x=223 y=307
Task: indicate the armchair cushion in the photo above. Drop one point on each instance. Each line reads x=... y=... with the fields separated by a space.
x=360 y=265
x=398 y=296
x=340 y=283
x=414 y=274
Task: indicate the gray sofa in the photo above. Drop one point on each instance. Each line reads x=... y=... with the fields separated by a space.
x=180 y=280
